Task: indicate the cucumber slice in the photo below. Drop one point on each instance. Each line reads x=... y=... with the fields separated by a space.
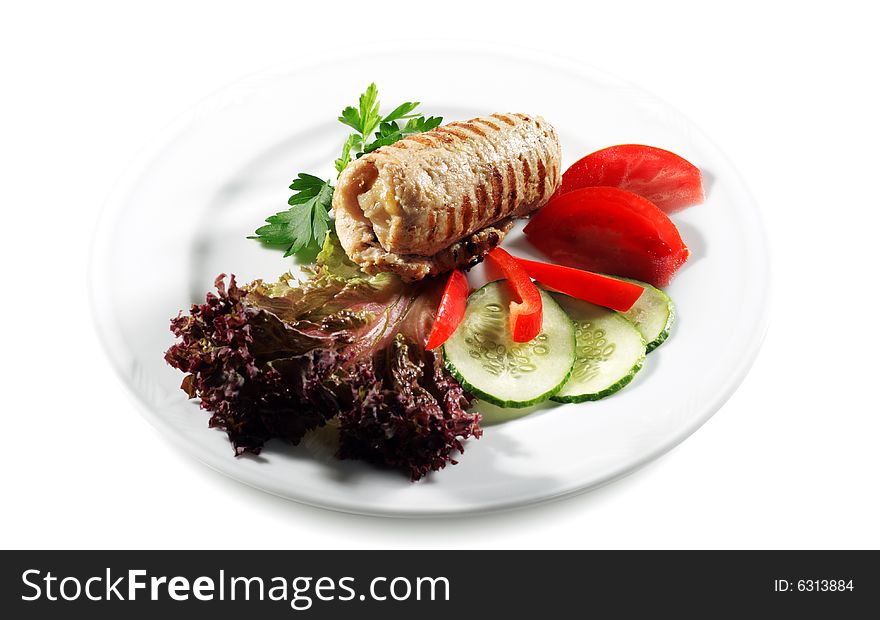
x=486 y=361
x=652 y=314
x=610 y=351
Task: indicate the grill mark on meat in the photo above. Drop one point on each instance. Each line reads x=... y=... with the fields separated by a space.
x=551 y=169
x=443 y=137
x=487 y=123
x=530 y=168
x=422 y=138
x=527 y=171
x=482 y=201
x=400 y=144
x=467 y=213
x=503 y=119
x=470 y=126
x=451 y=132
x=497 y=192
x=511 y=184
x=542 y=176
x=450 y=221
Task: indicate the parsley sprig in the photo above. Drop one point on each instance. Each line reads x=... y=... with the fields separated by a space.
x=391 y=132
x=365 y=119
x=301 y=229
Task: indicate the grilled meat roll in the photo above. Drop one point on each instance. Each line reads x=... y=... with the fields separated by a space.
x=443 y=199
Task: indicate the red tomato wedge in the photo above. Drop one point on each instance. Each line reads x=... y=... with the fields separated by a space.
x=669 y=181
x=526 y=314
x=592 y=287
x=451 y=310
x=609 y=230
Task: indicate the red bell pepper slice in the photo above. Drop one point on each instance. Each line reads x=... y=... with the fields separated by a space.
x=526 y=312
x=451 y=310
x=592 y=287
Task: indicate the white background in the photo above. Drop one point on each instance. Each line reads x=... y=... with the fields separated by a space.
x=788 y=91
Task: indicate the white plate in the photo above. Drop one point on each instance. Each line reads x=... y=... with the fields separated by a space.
x=181 y=216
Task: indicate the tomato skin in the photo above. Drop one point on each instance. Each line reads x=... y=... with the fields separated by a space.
x=527 y=314
x=609 y=230
x=595 y=288
x=451 y=310
x=669 y=181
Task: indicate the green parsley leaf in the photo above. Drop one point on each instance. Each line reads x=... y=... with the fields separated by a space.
x=302 y=228
x=351 y=118
x=321 y=219
x=402 y=111
x=420 y=124
x=389 y=133
x=352 y=142
x=365 y=117
x=369 y=109
x=306 y=186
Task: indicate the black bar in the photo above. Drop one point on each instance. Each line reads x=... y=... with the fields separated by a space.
x=493 y=584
